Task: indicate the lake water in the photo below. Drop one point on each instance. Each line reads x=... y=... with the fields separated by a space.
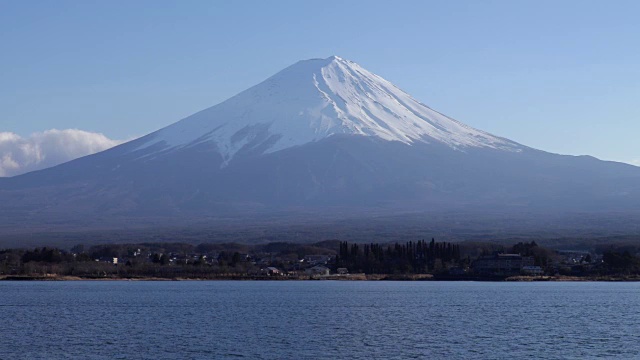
x=318 y=320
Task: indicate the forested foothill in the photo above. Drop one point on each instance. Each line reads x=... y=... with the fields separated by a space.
x=331 y=259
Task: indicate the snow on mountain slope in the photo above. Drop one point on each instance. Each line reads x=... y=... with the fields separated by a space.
x=320 y=138
x=312 y=100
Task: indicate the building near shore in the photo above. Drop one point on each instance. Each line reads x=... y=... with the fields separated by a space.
x=532 y=270
x=502 y=264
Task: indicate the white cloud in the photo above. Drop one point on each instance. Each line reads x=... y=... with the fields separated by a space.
x=40 y=150
x=635 y=162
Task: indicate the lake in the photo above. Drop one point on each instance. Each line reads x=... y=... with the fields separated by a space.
x=318 y=319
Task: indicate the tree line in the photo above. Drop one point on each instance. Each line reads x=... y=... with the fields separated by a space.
x=409 y=258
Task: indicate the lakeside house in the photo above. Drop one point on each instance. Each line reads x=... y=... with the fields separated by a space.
x=502 y=264
x=532 y=270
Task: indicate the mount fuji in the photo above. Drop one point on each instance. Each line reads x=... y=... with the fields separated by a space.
x=313 y=100
x=321 y=136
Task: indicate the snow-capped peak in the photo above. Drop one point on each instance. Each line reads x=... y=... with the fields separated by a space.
x=312 y=100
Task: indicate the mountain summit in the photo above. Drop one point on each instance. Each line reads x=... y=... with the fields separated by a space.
x=323 y=136
x=315 y=99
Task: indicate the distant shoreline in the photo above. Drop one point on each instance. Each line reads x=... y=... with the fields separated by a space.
x=355 y=277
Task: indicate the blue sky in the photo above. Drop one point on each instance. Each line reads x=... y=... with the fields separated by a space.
x=562 y=76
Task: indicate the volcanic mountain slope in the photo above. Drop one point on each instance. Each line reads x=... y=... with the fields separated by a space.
x=313 y=100
x=319 y=135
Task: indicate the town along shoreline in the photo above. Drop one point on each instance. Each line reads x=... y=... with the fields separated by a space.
x=350 y=277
